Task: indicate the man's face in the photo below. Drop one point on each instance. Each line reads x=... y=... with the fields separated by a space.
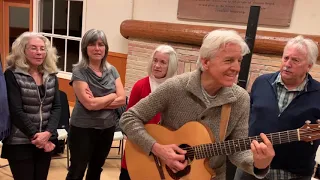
x=294 y=65
x=225 y=65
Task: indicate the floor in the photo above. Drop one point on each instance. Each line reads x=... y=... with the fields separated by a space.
x=58 y=168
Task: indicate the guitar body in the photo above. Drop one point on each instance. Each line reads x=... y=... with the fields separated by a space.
x=143 y=167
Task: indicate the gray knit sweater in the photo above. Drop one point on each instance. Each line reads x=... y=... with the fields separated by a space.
x=181 y=100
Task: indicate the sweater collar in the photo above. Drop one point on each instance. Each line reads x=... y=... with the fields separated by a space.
x=224 y=96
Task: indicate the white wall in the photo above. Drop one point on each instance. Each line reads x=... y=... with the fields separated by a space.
x=305 y=16
x=108 y=15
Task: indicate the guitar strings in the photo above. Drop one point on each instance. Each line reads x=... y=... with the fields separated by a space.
x=206 y=149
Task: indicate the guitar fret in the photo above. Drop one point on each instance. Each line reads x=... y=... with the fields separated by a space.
x=247 y=142
x=198 y=152
x=217 y=149
x=235 y=146
x=212 y=149
x=208 y=151
x=225 y=149
x=201 y=150
x=279 y=138
x=231 y=146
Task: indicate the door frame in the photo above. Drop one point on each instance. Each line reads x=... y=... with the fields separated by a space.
x=4 y=25
x=1 y=35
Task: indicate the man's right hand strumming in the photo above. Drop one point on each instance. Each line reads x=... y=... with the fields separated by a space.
x=172 y=155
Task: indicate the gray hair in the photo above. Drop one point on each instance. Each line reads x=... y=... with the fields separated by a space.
x=91 y=36
x=300 y=43
x=17 y=57
x=216 y=39
x=173 y=60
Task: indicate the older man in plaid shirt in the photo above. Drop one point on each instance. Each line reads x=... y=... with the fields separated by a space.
x=282 y=101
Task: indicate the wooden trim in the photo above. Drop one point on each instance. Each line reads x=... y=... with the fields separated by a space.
x=6 y=22
x=119 y=61
x=1 y=35
x=266 y=42
x=19 y=1
x=31 y=15
x=115 y=54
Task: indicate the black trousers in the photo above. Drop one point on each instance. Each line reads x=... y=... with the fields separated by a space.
x=124 y=174
x=88 y=147
x=34 y=168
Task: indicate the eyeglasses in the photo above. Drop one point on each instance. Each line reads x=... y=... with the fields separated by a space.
x=34 y=49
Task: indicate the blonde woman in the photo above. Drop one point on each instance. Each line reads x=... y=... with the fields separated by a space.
x=34 y=105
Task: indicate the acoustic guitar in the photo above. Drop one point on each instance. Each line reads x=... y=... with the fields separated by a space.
x=199 y=143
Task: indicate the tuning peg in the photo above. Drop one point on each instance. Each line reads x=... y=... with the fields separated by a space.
x=308 y=122
x=318 y=121
x=311 y=142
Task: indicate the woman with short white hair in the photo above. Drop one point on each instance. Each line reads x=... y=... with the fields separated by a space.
x=163 y=64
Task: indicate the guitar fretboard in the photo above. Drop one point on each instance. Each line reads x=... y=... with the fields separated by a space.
x=232 y=146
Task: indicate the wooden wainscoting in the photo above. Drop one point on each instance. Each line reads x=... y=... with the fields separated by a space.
x=65 y=87
x=118 y=60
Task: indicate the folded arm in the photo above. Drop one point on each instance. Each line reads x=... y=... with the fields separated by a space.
x=91 y=103
x=121 y=96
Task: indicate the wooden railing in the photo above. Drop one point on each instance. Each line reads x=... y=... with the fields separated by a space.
x=266 y=42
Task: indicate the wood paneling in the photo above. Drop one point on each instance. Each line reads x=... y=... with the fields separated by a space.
x=266 y=42
x=65 y=87
x=118 y=60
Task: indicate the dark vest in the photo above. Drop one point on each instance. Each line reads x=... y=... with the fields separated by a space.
x=37 y=109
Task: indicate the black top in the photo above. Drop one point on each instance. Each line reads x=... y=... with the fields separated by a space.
x=16 y=101
x=41 y=90
x=24 y=151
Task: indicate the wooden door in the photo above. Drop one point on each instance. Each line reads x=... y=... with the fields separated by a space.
x=16 y=18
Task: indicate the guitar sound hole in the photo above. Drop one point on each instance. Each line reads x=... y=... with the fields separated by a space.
x=188 y=157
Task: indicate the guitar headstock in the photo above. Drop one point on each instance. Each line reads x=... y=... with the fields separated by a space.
x=310 y=132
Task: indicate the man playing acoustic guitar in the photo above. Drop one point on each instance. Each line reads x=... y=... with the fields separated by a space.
x=199 y=96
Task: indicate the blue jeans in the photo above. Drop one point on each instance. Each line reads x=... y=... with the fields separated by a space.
x=241 y=175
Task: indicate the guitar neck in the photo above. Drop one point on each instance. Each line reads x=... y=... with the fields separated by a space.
x=232 y=146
